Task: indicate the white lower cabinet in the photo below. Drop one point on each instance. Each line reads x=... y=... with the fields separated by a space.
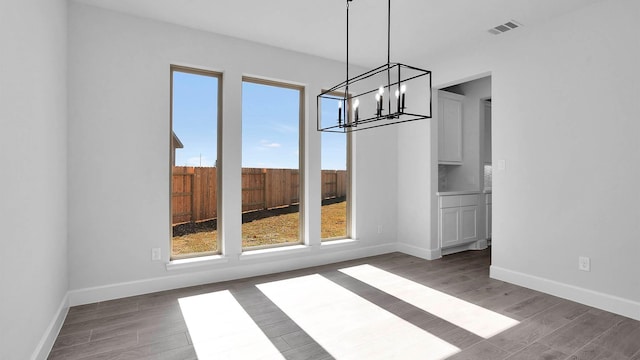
x=449 y=227
x=488 y=201
x=458 y=220
x=469 y=223
x=489 y=221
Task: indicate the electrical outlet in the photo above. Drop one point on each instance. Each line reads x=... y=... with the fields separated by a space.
x=156 y=254
x=379 y=229
x=584 y=263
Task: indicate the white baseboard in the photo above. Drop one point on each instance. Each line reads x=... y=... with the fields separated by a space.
x=51 y=333
x=481 y=244
x=423 y=253
x=476 y=245
x=614 y=304
x=225 y=272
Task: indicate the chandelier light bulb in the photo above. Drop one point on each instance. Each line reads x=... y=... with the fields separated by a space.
x=356 y=112
x=403 y=88
x=397 y=93
x=381 y=90
x=378 y=97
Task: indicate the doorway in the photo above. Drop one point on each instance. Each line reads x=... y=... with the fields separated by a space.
x=465 y=180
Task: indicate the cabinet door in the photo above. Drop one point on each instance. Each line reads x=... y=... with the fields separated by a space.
x=449 y=128
x=449 y=226
x=468 y=223
x=489 y=221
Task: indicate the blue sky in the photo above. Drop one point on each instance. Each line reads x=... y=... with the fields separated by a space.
x=270 y=126
x=334 y=145
x=269 y=121
x=195 y=108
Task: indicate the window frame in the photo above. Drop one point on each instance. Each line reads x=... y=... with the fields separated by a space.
x=349 y=155
x=301 y=152
x=219 y=76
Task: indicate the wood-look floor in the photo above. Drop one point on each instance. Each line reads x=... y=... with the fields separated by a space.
x=152 y=326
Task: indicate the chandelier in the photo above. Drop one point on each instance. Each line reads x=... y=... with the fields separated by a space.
x=389 y=94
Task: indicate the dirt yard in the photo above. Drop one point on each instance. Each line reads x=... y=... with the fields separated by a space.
x=274 y=226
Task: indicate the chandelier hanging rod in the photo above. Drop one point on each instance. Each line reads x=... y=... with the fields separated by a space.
x=388 y=49
x=389 y=53
x=353 y=117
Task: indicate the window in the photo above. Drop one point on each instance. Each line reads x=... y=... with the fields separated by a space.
x=195 y=124
x=272 y=115
x=335 y=175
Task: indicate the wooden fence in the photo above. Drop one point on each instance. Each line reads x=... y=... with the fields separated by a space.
x=194 y=193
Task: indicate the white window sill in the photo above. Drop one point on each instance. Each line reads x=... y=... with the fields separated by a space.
x=196 y=262
x=271 y=252
x=336 y=243
x=204 y=261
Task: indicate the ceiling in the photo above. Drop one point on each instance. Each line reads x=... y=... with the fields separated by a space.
x=419 y=28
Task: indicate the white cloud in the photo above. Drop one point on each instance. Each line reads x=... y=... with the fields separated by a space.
x=268 y=144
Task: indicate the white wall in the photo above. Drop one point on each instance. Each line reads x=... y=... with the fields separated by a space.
x=565 y=105
x=417 y=179
x=33 y=184
x=119 y=154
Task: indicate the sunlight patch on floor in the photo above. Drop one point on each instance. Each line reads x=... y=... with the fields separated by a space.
x=350 y=327
x=221 y=329
x=471 y=317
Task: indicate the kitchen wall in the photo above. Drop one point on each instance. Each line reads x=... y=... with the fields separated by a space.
x=119 y=124
x=488 y=176
x=33 y=153
x=564 y=97
x=443 y=177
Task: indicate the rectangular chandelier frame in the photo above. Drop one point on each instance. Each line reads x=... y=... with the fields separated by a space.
x=399 y=79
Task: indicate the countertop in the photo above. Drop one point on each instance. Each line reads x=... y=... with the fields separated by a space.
x=461 y=192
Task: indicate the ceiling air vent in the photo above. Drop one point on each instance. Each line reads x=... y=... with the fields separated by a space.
x=505 y=27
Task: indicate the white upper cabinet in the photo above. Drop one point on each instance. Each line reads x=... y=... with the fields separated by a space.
x=449 y=128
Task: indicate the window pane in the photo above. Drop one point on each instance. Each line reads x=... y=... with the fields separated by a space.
x=334 y=176
x=270 y=164
x=194 y=156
